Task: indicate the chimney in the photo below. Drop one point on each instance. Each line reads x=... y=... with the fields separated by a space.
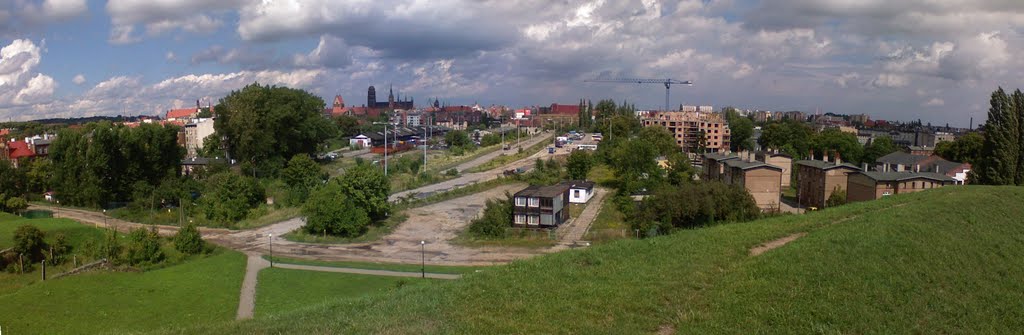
x=812 y=155
x=864 y=167
x=824 y=156
x=917 y=168
x=839 y=159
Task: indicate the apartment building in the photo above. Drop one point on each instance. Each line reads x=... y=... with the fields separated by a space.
x=691 y=129
x=541 y=206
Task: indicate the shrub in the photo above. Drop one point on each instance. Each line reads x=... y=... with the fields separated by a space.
x=330 y=211
x=188 y=240
x=837 y=198
x=143 y=248
x=61 y=248
x=496 y=219
x=28 y=240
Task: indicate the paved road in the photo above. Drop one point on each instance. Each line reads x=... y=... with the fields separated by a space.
x=475 y=177
x=247 y=298
x=579 y=226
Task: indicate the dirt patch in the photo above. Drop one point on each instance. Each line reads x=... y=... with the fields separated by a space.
x=760 y=249
x=666 y=330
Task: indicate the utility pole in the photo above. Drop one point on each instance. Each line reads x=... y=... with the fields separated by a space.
x=385 y=145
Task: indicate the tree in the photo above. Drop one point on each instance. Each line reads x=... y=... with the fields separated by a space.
x=329 y=210
x=835 y=141
x=579 y=164
x=28 y=240
x=679 y=169
x=457 y=138
x=16 y=204
x=966 y=148
x=635 y=160
x=264 y=125
x=879 y=146
x=228 y=197
x=302 y=175
x=791 y=137
x=742 y=130
x=38 y=175
x=1001 y=150
x=348 y=126
x=693 y=205
x=368 y=188
x=61 y=248
x=497 y=217
x=1018 y=114
x=188 y=240
x=212 y=147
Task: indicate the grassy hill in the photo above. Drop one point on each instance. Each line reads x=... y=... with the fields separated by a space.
x=943 y=261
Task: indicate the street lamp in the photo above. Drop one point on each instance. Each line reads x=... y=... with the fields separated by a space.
x=423 y=260
x=104 y=217
x=385 y=145
x=58 y=208
x=270 y=237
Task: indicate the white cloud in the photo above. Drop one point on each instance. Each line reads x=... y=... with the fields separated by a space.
x=122 y=34
x=934 y=102
x=170 y=56
x=78 y=79
x=330 y=52
x=889 y=80
x=20 y=83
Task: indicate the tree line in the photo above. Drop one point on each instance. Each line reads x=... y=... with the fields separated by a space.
x=1002 y=159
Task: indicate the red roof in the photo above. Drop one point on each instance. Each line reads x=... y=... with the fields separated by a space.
x=4 y=131
x=181 y=113
x=338 y=100
x=19 y=149
x=565 y=109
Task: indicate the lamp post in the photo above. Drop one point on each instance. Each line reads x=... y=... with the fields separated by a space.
x=270 y=238
x=423 y=260
x=104 y=217
x=385 y=145
x=58 y=208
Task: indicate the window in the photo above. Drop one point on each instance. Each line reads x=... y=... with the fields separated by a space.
x=575 y=193
x=546 y=202
x=520 y=201
x=520 y=219
x=533 y=220
x=534 y=202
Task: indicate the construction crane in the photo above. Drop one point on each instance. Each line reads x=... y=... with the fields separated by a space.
x=667 y=82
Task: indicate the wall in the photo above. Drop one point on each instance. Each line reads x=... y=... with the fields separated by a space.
x=860 y=188
x=763 y=184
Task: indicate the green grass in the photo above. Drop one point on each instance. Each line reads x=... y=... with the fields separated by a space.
x=197 y=292
x=286 y=290
x=609 y=225
x=940 y=261
x=258 y=217
x=602 y=175
x=382 y=266
x=505 y=159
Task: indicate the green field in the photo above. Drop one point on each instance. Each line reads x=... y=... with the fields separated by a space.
x=198 y=290
x=286 y=290
x=940 y=261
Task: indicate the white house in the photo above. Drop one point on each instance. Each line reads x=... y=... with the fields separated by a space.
x=580 y=191
x=361 y=141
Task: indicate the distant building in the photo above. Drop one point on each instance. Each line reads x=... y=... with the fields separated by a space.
x=929 y=139
x=816 y=180
x=195 y=133
x=693 y=129
x=796 y=116
x=783 y=161
x=31 y=147
x=871 y=185
x=580 y=191
x=762 y=181
x=859 y=119
x=541 y=206
x=714 y=165
x=391 y=103
x=360 y=141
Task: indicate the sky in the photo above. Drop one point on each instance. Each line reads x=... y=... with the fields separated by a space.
x=935 y=60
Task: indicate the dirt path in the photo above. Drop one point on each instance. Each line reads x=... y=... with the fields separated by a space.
x=760 y=249
x=247 y=298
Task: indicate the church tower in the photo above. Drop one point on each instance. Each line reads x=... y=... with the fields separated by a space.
x=391 y=97
x=371 y=98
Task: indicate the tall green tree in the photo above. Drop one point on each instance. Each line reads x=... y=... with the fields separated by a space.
x=835 y=141
x=878 y=147
x=228 y=197
x=578 y=164
x=966 y=148
x=741 y=129
x=791 y=137
x=265 y=125
x=1001 y=150
x=1018 y=113
x=368 y=188
x=330 y=211
x=302 y=175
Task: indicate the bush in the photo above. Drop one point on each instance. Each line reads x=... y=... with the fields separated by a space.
x=143 y=248
x=61 y=248
x=28 y=240
x=452 y=172
x=330 y=211
x=496 y=219
x=837 y=198
x=229 y=197
x=16 y=205
x=692 y=205
x=188 y=240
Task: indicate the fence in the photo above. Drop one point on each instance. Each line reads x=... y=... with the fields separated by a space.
x=531 y=233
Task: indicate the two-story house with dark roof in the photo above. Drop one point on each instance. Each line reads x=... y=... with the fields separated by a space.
x=541 y=206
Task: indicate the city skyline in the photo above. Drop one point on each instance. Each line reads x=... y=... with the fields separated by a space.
x=930 y=60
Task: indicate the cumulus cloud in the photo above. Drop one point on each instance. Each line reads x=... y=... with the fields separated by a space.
x=20 y=83
x=20 y=16
x=934 y=102
x=163 y=16
x=78 y=79
x=330 y=52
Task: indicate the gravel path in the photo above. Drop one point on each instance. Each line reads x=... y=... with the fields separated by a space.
x=247 y=298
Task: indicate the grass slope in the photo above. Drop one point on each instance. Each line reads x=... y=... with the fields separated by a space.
x=941 y=261
x=285 y=289
x=199 y=291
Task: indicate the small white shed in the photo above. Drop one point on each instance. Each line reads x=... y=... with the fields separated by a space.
x=580 y=191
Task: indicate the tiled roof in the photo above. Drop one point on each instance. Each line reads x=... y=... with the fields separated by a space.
x=181 y=113
x=19 y=149
x=825 y=165
x=565 y=109
x=900 y=176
